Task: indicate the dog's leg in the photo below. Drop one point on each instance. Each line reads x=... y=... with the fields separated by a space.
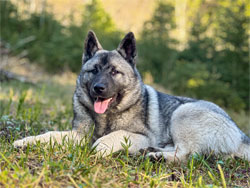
x=113 y=142
x=54 y=136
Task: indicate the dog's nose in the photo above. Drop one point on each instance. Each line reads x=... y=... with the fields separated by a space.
x=99 y=88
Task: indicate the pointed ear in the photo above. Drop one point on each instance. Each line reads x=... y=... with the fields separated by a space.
x=127 y=48
x=91 y=46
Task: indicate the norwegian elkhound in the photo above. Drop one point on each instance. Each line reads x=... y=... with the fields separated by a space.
x=111 y=96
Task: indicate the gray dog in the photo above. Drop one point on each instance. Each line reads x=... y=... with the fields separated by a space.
x=111 y=96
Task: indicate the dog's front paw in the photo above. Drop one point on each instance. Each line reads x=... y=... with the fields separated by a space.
x=103 y=149
x=20 y=143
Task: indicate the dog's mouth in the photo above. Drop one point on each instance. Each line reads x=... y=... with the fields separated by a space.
x=101 y=104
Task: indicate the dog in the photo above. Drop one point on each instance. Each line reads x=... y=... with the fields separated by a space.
x=111 y=95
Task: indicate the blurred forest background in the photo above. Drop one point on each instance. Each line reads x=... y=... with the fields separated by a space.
x=196 y=48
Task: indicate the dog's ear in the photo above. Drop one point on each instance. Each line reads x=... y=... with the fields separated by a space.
x=91 y=46
x=127 y=48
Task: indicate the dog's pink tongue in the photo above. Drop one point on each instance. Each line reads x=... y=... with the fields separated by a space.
x=101 y=106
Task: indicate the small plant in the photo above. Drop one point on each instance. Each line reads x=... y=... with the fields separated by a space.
x=126 y=145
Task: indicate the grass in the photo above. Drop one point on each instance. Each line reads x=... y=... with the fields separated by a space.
x=33 y=109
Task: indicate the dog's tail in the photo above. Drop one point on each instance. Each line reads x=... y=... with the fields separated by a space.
x=244 y=148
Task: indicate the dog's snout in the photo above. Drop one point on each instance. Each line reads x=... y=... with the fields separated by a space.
x=99 y=88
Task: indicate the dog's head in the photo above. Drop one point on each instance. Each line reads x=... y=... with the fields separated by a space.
x=109 y=75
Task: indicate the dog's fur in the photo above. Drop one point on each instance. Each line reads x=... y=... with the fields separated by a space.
x=172 y=127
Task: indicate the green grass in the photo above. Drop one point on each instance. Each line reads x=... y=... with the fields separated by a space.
x=30 y=110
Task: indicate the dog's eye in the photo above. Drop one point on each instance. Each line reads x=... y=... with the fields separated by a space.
x=94 y=71
x=114 y=72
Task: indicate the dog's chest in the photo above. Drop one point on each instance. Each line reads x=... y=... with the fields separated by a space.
x=107 y=124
